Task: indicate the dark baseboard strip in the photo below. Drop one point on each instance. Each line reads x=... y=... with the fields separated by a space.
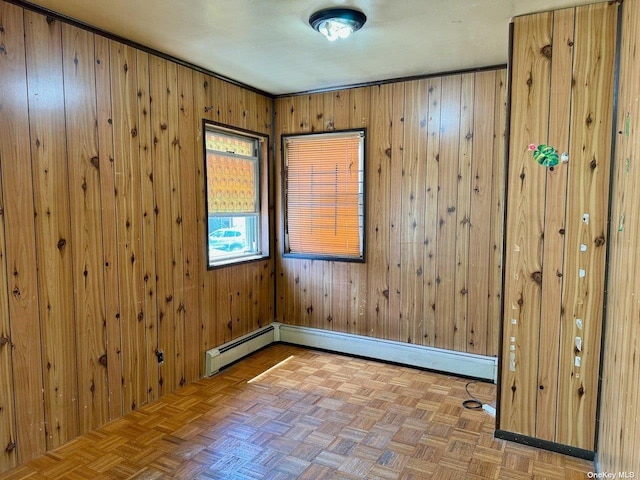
x=545 y=445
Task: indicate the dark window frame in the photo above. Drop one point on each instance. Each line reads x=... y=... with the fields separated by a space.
x=363 y=202
x=263 y=185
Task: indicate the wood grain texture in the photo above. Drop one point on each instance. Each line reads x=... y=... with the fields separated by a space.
x=496 y=253
x=162 y=186
x=109 y=226
x=618 y=440
x=463 y=212
x=554 y=303
x=85 y=194
x=124 y=87
x=359 y=117
x=8 y=456
x=525 y=223
x=417 y=155
x=431 y=210
x=191 y=219
x=53 y=230
x=555 y=212
x=20 y=235
x=202 y=108
x=149 y=232
x=395 y=208
x=378 y=174
x=446 y=321
x=588 y=187
x=413 y=212
x=80 y=328
x=480 y=220
x=273 y=415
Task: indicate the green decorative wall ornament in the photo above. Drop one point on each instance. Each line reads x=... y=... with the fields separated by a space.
x=545 y=155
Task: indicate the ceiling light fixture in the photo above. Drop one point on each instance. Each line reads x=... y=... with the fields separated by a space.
x=336 y=23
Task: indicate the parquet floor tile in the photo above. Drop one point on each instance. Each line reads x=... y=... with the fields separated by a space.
x=289 y=413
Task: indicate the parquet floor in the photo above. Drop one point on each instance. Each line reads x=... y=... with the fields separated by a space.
x=291 y=413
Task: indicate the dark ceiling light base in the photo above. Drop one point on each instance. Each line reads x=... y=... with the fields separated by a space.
x=336 y=23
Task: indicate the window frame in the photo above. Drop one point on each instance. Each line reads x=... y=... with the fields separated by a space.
x=284 y=182
x=262 y=184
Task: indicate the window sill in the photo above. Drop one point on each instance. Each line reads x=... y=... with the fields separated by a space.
x=237 y=261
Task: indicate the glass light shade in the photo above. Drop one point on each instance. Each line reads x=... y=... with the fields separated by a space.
x=334 y=29
x=336 y=23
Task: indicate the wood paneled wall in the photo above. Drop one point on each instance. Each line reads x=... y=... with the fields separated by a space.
x=561 y=95
x=619 y=438
x=102 y=230
x=434 y=214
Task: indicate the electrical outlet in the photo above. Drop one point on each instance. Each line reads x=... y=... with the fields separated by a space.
x=160 y=355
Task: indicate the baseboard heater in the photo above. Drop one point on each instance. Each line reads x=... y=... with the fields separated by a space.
x=220 y=357
x=447 y=361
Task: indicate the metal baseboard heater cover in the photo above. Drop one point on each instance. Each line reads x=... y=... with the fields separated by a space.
x=220 y=357
x=447 y=361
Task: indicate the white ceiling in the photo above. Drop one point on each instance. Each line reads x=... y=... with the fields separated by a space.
x=269 y=45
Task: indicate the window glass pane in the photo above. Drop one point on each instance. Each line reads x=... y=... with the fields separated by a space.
x=324 y=194
x=230 y=144
x=233 y=164
x=231 y=184
x=232 y=236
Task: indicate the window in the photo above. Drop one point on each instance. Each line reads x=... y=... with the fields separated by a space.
x=236 y=188
x=323 y=188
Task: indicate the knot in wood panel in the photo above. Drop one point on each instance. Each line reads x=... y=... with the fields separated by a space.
x=537 y=277
x=547 y=51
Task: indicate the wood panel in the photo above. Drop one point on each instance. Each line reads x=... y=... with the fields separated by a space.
x=124 y=87
x=586 y=239
x=20 y=245
x=43 y=41
x=555 y=210
x=395 y=208
x=480 y=220
x=412 y=232
x=162 y=185
x=446 y=321
x=619 y=435
x=9 y=456
x=103 y=143
x=463 y=212
x=177 y=366
x=431 y=210
x=556 y=271
x=191 y=219
x=109 y=234
x=525 y=223
x=418 y=155
x=496 y=253
x=378 y=174
x=149 y=232
x=203 y=107
x=359 y=117
x=85 y=194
